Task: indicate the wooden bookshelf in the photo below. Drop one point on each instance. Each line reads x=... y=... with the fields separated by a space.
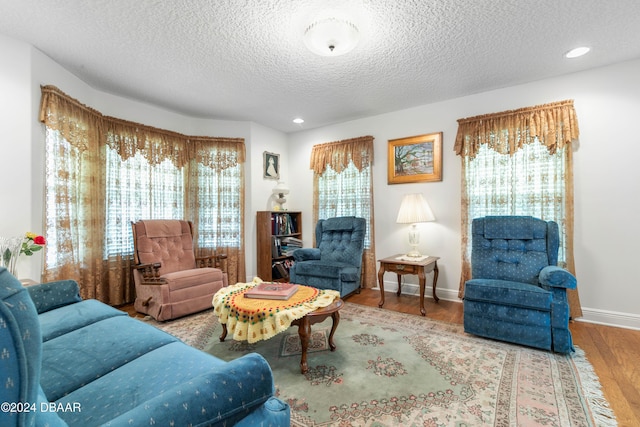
x=275 y=226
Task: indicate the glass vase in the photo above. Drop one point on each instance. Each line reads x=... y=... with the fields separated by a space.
x=9 y=252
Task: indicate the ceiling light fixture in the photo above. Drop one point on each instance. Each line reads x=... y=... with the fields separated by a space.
x=579 y=51
x=331 y=37
x=298 y=121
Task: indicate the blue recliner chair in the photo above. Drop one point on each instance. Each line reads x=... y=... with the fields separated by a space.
x=336 y=262
x=517 y=292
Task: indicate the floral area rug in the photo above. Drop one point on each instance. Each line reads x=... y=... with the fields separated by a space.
x=394 y=369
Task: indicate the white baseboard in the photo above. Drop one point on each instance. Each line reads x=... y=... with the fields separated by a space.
x=589 y=315
x=610 y=318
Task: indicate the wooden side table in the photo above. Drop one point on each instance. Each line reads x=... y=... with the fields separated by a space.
x=400 y=267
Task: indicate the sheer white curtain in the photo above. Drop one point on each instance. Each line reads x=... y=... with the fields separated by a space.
x=216 y=203
x=135 y=190
x=347 y=193
x=528 y=182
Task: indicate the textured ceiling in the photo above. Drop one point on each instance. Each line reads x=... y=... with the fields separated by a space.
x=245 y=59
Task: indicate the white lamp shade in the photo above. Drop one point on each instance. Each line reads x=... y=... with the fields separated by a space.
x=414 y=208
x=331 y=37
x=280 y=188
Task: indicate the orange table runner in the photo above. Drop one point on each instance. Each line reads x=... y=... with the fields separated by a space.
x=253 y=319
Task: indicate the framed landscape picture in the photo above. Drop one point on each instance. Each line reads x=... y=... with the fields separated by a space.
x=415 y=159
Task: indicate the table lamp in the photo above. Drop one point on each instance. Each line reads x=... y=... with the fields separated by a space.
x=414 y=209
x=280 y=191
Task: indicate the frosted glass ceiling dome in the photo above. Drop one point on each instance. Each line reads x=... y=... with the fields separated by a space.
x=331 y=37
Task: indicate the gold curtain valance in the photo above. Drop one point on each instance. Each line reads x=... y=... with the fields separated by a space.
x=228 y=153
x=85 y=127
x=338 y=154
x=555 y=125
x=78 y=124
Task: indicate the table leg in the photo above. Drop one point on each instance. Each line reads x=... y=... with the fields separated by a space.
x=304 y=332
x=224 y=332
x=334 y=325
x=399 y=284
x=381 y=284
x=435 y=280
x=423 y=283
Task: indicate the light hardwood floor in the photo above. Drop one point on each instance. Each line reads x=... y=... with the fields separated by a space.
x=613 y=352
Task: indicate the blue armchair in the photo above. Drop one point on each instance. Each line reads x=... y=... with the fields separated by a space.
x=336 y=262
x=517 y=293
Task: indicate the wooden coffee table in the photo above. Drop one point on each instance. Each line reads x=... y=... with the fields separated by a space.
x=317 y=316
x=304 y=328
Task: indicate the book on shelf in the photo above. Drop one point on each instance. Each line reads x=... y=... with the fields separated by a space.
x=280 y=269
x=268 y=290
x=288 y=251
x=283 y=272
x=276 y=247
x=292 y=242
x=289 y=245
x=283 y=223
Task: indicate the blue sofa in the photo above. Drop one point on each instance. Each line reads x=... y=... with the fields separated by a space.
x=517 y=292
x=336 y=262
x=71 y=362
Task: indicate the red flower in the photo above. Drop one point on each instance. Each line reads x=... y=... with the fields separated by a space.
x=32 y=243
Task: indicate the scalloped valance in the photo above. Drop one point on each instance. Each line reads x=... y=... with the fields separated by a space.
x=338 y=154
x=555 y=125
x=84 y=128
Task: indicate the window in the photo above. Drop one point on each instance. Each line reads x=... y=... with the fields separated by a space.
x=102 y=173
x=346 y=194
x=136 y=190
x=220 y=205
x=528 y=182
x=62 y=179
x=343 y=186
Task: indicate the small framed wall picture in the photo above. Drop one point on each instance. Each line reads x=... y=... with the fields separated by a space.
x=415 y=159
x=271 y=165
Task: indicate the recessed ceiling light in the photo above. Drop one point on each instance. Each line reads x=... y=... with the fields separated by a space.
x=298 y=121
x=579 y=51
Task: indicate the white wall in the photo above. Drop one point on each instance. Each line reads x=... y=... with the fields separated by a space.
x=259 y=195
x=440 y=238
x=607 y=182
x=18 y=213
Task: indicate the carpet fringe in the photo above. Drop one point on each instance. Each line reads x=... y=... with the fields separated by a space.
x=602 y=413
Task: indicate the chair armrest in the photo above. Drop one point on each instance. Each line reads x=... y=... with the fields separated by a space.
x=557 y=277
x=222 y=396
x=213 y=261
x=150 y=273
x=52 y=295
x=306 y=254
